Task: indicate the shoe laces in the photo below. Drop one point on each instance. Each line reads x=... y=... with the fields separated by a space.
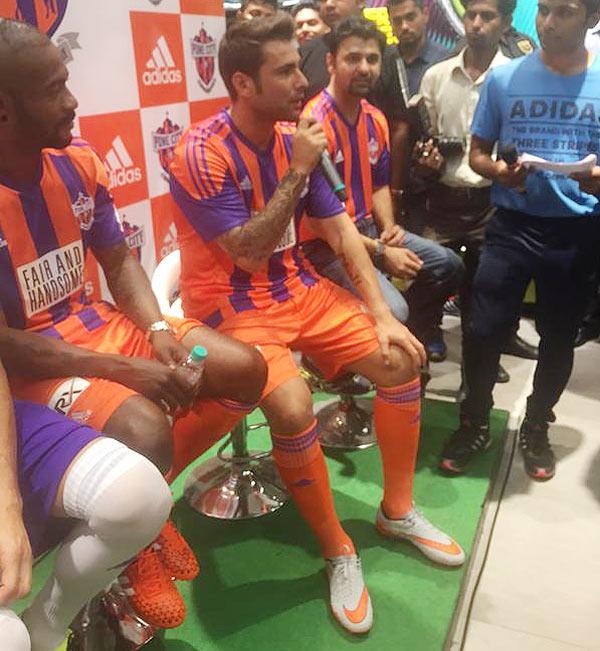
x=150 y=572
x=472 y=436
x=415 y=519
x=343 y=570
x=534 y=437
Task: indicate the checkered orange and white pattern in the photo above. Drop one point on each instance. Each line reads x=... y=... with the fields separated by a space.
x=142 y=71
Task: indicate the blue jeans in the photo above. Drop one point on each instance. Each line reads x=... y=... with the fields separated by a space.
x=419 y=305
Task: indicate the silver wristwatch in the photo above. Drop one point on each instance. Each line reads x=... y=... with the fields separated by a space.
x=158 y=326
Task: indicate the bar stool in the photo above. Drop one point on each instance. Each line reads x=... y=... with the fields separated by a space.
x=347 y=423
x=239 y=485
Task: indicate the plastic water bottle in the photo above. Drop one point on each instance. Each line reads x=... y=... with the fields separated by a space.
x=195 y=362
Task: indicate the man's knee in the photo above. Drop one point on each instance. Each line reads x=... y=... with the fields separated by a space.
x=13 y=633
x=143 y=427
x=135 y=506
x=290 y=414
x=240 y=373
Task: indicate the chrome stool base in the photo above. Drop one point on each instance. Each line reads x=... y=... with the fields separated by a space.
x=238 y=486
x=346 y=424
x=230 y=490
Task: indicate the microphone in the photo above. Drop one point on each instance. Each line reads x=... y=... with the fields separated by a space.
x=333 y=178
x=510 y=155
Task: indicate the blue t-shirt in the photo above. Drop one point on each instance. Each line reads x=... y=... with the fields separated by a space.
x=549 y=115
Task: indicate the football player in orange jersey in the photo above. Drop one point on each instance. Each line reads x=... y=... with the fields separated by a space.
x=244 y=181
x=116 y=368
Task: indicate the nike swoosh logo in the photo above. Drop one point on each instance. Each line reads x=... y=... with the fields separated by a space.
x=451 y=548
x=357 y=615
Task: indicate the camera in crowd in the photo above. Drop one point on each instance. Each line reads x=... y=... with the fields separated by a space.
x=418 y=117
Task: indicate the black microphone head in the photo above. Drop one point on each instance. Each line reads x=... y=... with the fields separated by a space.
x=509 y=154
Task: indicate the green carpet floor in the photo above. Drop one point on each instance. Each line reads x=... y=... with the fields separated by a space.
x=262 y=585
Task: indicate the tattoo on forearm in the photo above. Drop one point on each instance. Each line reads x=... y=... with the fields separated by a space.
x=260 y=235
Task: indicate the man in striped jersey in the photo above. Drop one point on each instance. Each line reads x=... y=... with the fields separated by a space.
x=244 y=181
x=358 y=142
x=113 y=368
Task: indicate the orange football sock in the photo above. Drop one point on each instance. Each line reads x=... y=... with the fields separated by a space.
x=397 y=412
x=206 y=423
x=302 y=467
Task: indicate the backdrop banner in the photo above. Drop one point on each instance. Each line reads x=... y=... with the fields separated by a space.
x=142 y=71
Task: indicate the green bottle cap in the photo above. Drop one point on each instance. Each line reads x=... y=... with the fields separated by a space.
x=198 y=353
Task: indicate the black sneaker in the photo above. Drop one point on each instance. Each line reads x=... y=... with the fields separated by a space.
x=535 y=447
x=463 y=445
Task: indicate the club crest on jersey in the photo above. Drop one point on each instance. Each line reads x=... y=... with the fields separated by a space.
x=46 y=15
x=134 y=236
x=83 y=209
x=373 y=151
x=164 y=140
x=204 y=53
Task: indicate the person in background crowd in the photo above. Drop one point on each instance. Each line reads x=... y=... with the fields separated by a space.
x=313 y=54
x=309 y=23
x=357 y=135
x=414 y=53
x=546 y=226
x=458 y=200
x=61 y=482
x=244 y=181
x=115 y=368
x=257 y=9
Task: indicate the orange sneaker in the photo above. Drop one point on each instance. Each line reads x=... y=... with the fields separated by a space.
x=177 y=556
x=151 y=591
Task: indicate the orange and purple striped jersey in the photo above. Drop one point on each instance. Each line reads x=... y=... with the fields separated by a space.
x=360 y=151
x=46 y=227
x=219 y=179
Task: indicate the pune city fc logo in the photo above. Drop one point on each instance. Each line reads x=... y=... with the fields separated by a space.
x=204 y=53
x=164 y=140
x=46 y=15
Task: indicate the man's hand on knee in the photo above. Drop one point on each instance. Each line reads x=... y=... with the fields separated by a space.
x=390 y=331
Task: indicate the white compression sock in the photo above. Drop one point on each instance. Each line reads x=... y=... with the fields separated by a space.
x=123 y=502
x=13 y=633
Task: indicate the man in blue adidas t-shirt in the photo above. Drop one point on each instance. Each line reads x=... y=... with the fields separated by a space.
x=545 y=226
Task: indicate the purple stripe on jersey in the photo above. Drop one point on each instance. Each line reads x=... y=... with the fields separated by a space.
x=380 y=172
x=240 y=298
x=53 y=333
x=106 y=230
x=214 y=319
x=277 y=275
x=308 y=280
x=192 y=164
x=90 y=319
x=241 y=170
x=356 y=177
x=69 y=175
x=10 y=300
x=38 y=220
x=213 y=187
x=61 y=311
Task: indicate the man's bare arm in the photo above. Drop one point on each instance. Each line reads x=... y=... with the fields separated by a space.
x=129 y=285
x=342 y=236
x=252 y=244
x=345 y=241
x=15 y=551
